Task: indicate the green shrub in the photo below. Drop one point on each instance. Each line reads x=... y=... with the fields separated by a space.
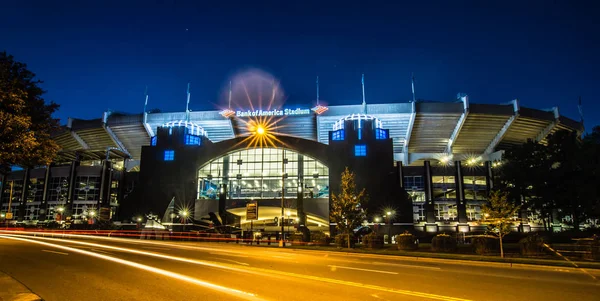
x=443 y=243
x=485 y=245
x=406 y=241
x=295 y=237
x=592 y=246
x=320 y=238
x=532 y=245
x=373 y=241
x=595 y=250
x=341 y=241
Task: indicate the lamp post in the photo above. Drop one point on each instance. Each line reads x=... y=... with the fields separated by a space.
x=184 y=214
x=389 y=219
x=60 y=211
x=92 y=215
x=288 y=223
x=283 y=162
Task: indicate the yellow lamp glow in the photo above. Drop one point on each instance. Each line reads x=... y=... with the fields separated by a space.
x=260 y=130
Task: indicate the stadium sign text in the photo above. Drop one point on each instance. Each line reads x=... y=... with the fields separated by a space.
x=274 y=112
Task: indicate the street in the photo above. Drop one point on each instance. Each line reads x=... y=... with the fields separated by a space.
x=103 y=268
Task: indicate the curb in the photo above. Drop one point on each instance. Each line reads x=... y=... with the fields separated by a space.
x=13 y=290
x=407 y=257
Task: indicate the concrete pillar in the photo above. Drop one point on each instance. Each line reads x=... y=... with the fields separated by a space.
x=23 y=198
x=489 y=177
x=222 y=203
x=400 y=173
x=2 y=185
x=44 y=204
x=71 y=194
x=105 y=183
x=460 y=193
x=300 y=196
x=429 y=205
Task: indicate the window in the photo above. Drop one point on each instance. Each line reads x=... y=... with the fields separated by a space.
x=169 y=155
x=87 y=188
x=359 y=133
x=338 y=135
x=381 y=134
x=413 y=183
x=360 y=150
x=35 y=190
x=259 y=176
x=153 y=141
x=192 y=140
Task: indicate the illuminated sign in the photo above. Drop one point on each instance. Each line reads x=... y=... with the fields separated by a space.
x=227 y=113
x=251 y=211
x=274 y=112
x=319 y=109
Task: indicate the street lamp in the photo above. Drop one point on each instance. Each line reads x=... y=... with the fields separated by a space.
x=184 y=214
x=389 y=219
x=288 y=223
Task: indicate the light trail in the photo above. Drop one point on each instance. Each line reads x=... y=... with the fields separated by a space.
x=118 y=239
x=229 y=291
x=254 y=270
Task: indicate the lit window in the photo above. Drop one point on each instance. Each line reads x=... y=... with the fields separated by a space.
x=153 y=141
x=360 y=150
x=381 y=134
x=192 y=140
x=338 y=135
x=170 y=131
x=169 y=155
x=359 y=132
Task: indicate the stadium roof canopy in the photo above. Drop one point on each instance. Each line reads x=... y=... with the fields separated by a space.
x=419 y=130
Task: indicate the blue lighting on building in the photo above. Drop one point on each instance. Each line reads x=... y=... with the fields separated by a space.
x=169 y=155
x=360 y=150
x=338 y=135
x=153 y=141
x=381 y=134
x=192 y=140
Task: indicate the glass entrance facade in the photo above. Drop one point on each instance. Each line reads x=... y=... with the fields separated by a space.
x=263 y=173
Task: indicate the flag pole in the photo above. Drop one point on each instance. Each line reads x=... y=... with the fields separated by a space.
x=364 y=103
x=317 y=90
x=412 y=81
x=187 y=105
x=146 y=102
x=229 y=94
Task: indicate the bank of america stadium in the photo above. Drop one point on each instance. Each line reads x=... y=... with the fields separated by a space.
x=205 y=168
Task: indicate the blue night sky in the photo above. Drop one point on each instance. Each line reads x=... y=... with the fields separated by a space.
x=99 y=55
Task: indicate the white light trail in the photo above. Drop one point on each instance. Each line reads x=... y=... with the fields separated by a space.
x=245 y=269
x=230 y=291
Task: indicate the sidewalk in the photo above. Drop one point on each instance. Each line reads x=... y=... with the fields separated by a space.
x=456 y=258
x=13 y=290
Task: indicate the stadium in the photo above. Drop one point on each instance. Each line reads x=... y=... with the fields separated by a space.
x=203 y=168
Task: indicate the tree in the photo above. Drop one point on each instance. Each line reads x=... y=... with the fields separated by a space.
x=25 y=118
x=347 y=207
x=524 y=176
x=499 y=214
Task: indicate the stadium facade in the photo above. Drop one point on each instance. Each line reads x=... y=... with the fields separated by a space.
x=205 y=167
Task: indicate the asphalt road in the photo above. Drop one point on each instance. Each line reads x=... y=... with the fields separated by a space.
x=130 y=269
